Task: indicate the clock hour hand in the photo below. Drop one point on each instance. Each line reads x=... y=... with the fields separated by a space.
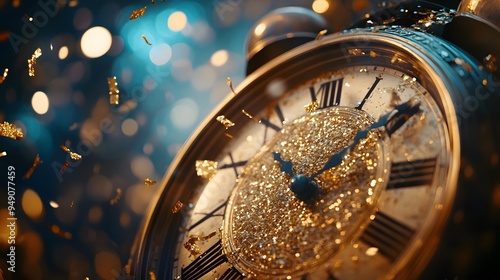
x=392 y=121
x=305 y=188
x=286 y=166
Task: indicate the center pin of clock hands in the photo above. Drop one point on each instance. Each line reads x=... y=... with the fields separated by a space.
x=306 y=188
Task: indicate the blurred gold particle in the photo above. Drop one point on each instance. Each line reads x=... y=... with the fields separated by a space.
x=2 y=154
x=152 y=275
x=321 y=34
x=138 y=13
x=490 y=61
x=11 y=131
x=57 y=231
x=32 y=62
x=225 y=121
x=250 y=116
x=149 y=182
x=145 y=39
x=191 y=245
x=63 y=168
x=115 y=199
x=230 y=84
x=5 y=72
x=114 y=98
x=72 y=155
x=206 y=169
x=36 y=163
x=177 y=207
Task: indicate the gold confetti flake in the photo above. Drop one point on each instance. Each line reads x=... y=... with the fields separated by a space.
x=63 y=168
x=355 y=52
x=250 y=116
x=72 y=155
x=224 y=121
x=230 y=84
x=5 y=72
x=117 y=197
x=138 y=13
x=54 y=204
x=149 y=182
x=11 y=131
x=145 y=39
x=177 y=207
x=373 y=54
x=153 y=2
x=311 y=107
x=114 y=97
x=191 y=245
x=228 y=135
x=36 y=163
x=72 y=203
x=464 y=64
x=2 y=154
x=490 y=62
x=206 y=169
x=321 y=34
x=152 y=275
x=32 y=62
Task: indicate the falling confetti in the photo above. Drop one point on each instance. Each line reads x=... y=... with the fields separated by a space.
x=72 y=155
x=36 y=163
x=114 y=98
x=5 y=72
x=149 y=182
x=250 y=116
x=206 y=169
x=321 y=34
x=2 y=154
x=191 y=245
x=230 y=84
x=54 y=204
x=32 y=62
x=490 y=61
x=145 y=39
x=177 y=207
x=11 y=131
x=137 y=13
x=63 y=168
x=152 y=275
x=224 y=121
x=114 y=200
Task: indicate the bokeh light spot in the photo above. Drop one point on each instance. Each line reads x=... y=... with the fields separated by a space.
x=32 y=204
x=96 y=42
x=129 y=127
x=160 y=54
x=184 y=113
x=63 y=52
x=40 y=102
x=219 y=58
x=141 y=167
x=177 y=21
x=107 y=264
x=320 y=6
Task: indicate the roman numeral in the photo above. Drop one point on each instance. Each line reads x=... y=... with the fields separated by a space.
x=204 y=263
x=231 y=274
x=412 y=173
x=279 y=113
x=208 y=216
x=329 y=92
x=233 y=164
x=388 y=235
x=368 y=94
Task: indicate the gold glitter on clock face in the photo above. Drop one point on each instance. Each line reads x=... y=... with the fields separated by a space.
x=268 y=231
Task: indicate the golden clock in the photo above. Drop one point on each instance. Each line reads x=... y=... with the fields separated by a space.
x=353 y=156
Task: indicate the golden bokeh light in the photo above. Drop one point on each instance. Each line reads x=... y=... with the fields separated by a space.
x=40 y=102
x=219 y=58
x=96 y=42
x=177 y=21
x=320 y=6
x=32 y=204
x=63 y=52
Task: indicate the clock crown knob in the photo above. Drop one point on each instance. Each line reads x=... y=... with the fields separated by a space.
x=279 y=31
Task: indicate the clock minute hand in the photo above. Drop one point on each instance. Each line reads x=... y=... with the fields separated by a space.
x=286 y=166
x=392 y=121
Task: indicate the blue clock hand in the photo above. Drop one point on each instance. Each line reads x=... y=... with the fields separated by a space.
x=392 y=122
x=286 y=166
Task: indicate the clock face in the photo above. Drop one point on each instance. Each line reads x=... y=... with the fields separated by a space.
x=366 y=126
